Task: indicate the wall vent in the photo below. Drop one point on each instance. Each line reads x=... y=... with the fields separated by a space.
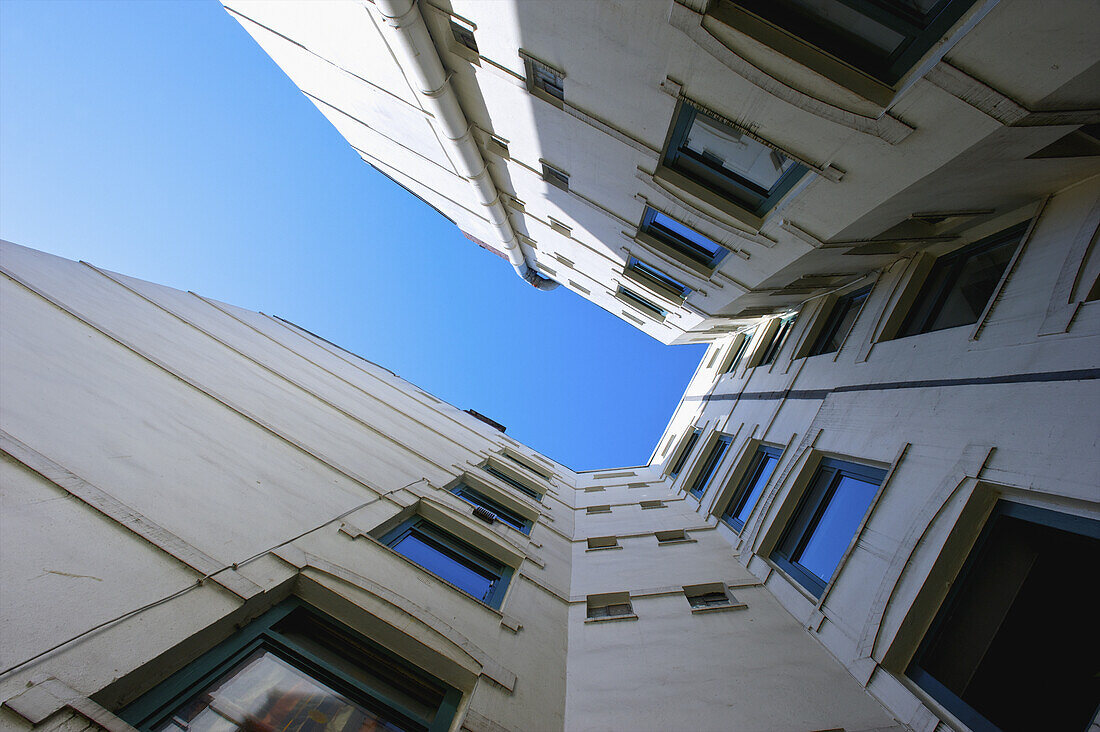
x=485 y=514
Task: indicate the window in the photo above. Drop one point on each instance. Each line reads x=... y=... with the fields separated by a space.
x=674 y=536
x=641 y=303
x=710 y=465
x=464 y=35
x=711 y=596
x=609 y=606
x=751 y=486
x=497 y=511
x=681 y=239
x=291 y=665
x=524 y=464
x=882 y=39
x=840 y=321
x=778 y=340
x=602 y=542
x=543 y=80
x=689 y=445
x=742 y=349
x=592 y=510
x=825 y=522
x=656 y=280
x=452 y=559
x=515 y=483
x=960 y=284
x=555 y=177
x=1015 y=644
x=648 y=505
x=729 y=161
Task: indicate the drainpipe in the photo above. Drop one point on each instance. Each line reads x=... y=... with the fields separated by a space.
x=411 y=43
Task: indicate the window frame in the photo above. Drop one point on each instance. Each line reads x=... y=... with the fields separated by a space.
x=650 y=309
x=655 y=280
x=804 y=520
x=543 y=80
x=507 y=516
x=156 y=705
x=708 y=467
x=732 y=187
x=954 y=262
x=840 y=309
x=460 y=550
x=747 y=484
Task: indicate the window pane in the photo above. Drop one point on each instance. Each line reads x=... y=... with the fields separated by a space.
x=973 y=287
x=700 y=242
x=713 y=459
x=727 y=150
x=446 y=564
x=836 y=527
x=266 y=692
x=764 y=472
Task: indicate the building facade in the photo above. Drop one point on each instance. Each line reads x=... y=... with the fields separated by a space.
x=877 y=505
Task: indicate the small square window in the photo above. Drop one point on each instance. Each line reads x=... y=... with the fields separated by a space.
x=751 y=487
x=289 y=665
x=709 y=599
x=840 y=321
x=682 y=240
x=516 y=483
x=603 y=542
x=609 y=606
x=544 y=79
x=671 y=537
x=647 y=505
x=451 y=559
x=729 y=161
x=594 y=489
x=711 y=596
x=555 y=177
x=960 y=284
x=689 y=445
x=632 y=298
x=825 y=522
x=464 y=35
x=492 y=510
x=1014 y=645
x=710 y=466
x=778 y=340
x=593 y=510
x=656 y=280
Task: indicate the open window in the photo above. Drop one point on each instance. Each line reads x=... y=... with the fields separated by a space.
x=680 y=242
x=656 y=281
x=842 y=316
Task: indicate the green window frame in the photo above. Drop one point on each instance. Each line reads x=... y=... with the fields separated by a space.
x=364 y=680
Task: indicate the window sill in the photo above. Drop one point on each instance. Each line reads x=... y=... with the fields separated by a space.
x=677 y=541
x=719 y=608
x=611 y=619
x=601 y=549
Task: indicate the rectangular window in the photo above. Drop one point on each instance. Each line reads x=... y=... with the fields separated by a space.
x=960 y=284
x=1015 y=644
x=742 y=349
x=748 y=492
x=544 y=79
x=464 y=35
x=840 y=321
x=647 y=505
x=609 y=605
x=592 y=510
x=673 y=536
x=681 y=239
x=515 y=483
x=499 y=512
x=825 y=522
x=291 y=665
x=602 y=542
x=555 y=177
x=689 y=445
x=524 y=464
x=656 y=280
x=729 y=161
x=641 y=303
x=452 y=559
x=778 y=340
x=882 y=39
x=710 y=465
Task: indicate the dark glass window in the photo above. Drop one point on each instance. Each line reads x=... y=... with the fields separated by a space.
x=825 y=521
x=841 y=319
x=657 y=279
x=1016 y=645
x=710 y=465
x=504 y=515
x=682 y=239
x=464 y=35
x=293 y=669
x=777 y=341
x=730 y=162
x=642 y=304
x=684 y=453
x=555 y=177
x=541 y=76
x=452 y=559
x=751 y=486
x=518 y=485
x=742 y=349
x=960 y=284
x=882 y=38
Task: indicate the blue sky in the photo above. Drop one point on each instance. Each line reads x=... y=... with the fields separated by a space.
x=157 y=139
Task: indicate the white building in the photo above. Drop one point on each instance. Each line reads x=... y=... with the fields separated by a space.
x=877 y=505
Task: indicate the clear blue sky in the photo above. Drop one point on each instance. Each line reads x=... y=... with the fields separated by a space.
x=157 y=139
